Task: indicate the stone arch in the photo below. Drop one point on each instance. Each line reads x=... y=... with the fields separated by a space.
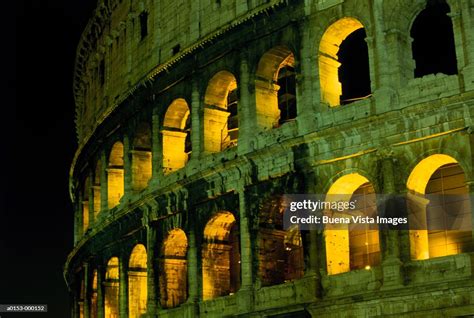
x=345 y=31
x=433 y=46
x=221 y=123
x=111 y=288
x=115 y=175
x=141 y=157
x=173 y=265
x=437 y=200
x=280 y=251
x=349 y=247
x=176 y=136
x=137 y=281
x=220 y=256
x=275 y=87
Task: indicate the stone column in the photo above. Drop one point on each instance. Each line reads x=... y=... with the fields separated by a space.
x=246 y=298
x=245 y=243
x=100 y=293
x=75 y=304
x=123 y=288
x=192 y=260
x=156 y=148
x=462 y=17
x=78 y=219
x=244 y=108
x=127 y=169
x=87 y=293
x=104 y=199
x=90 y=190
x=196 y=123
x=470 y=186
x=382 y=78
x=307 y=83
x=391 y=263
x=152 y=279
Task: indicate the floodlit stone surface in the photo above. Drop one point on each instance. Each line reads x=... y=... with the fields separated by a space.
x=194 y=118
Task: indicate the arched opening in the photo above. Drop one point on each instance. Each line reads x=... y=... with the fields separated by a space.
x=280 y=252
x=173 y=269
x=433 y=40
x=437 y=203
x=350 y=247
x=111 y=289
x=176 y=136
x=141 y=157
x=96 y=189
x=115 y=181
x=93 y=309
x=85 y=205
x=221 y=121
x=275 y=88
x=344 y=63
x=137 y=282
x=220 y=256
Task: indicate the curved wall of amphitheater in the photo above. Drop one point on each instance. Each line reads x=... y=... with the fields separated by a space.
x=194 y=118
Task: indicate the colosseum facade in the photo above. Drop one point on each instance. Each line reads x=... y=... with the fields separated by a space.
x=195 y=118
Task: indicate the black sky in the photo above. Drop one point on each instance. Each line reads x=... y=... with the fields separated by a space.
x=36 y=224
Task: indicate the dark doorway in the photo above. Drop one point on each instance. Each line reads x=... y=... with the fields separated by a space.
x=433 y=41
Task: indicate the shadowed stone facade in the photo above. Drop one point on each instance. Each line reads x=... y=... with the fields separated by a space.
x=195 y=117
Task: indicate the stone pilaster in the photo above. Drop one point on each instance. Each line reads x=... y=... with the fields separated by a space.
x=462 y=17
x=391 y=263
x=307 y=84
x=100 y=293
x=196 y=129
x=127 y=169
x=152 y=278
x=123 y=288
x=104 y=198
x=244 y=109
x=78 y=220
x=192 y=260
x=245 y=243
x=156 y=148
x=90 y=191
x=470 y=186
x=87 y=300
x=246 y=298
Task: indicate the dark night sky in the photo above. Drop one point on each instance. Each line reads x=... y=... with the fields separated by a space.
x=36 y=225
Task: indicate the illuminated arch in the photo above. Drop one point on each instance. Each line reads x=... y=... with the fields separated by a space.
x=173 y=269
x=275 y=88
x=220 y=113
x=329 y=62
x=220 y=256
x=111 y=288
x=115 y=175
x=423 y=171
x=176 y=141
x=280 y=252
x=141 y=157
x=348 y=249
x=432 y=183
x=137 y=281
